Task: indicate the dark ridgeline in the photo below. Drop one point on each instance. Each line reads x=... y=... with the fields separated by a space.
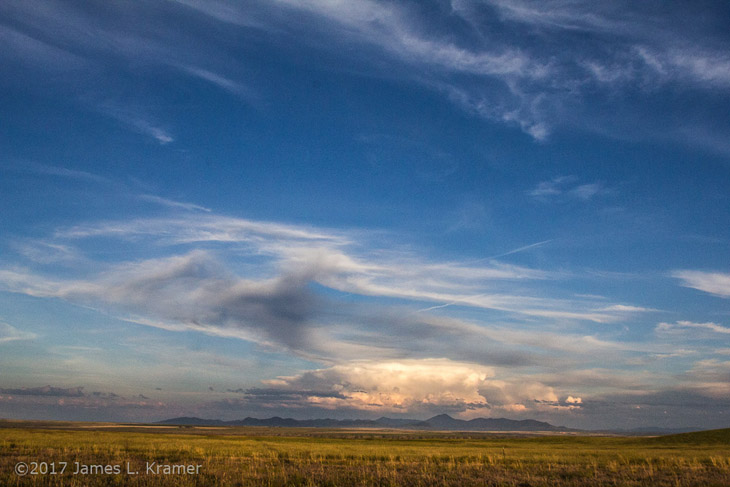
x=437 y=423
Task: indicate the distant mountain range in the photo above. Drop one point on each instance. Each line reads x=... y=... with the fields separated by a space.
x=442 y=422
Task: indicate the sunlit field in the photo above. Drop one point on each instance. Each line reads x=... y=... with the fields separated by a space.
x=229 y=456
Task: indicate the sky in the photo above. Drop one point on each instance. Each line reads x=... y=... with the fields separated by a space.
x=356 y=209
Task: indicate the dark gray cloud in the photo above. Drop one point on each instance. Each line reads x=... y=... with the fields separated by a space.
x=105 y=395
x=198 y=292
x=282 y=311
x=289 y=393
x=73 y=404
x=70 y=392
x=46 y=391
x=685 y=397
x=681 y=407
x=86 y=408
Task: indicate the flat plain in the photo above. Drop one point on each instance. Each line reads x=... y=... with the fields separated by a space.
x=106 y=454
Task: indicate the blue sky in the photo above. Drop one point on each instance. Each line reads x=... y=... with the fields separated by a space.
x=355 y=209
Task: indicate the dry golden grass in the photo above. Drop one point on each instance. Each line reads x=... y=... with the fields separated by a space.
x=298 y=457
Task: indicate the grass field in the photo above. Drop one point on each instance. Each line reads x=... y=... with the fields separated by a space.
x=305 y=457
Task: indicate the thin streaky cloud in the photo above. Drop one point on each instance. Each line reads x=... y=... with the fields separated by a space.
x=204 y=228
x=586 y=191
x=145 y=127
x=138 y=122
x=234 y=87
x=9 y=333
x=558 y=14
x=43 y=55
x=226 y=12
x=546 y=188
x=335 y=261
x=277 y=305
x=717 y=283
x=677 y=58
x=172 y=203
x=520 y=249
x=393 y=29
x=46 y=170
x=628 y=308
x=567 y=187
x=712 y=68
x=44 y=252
x=440 y=306
x=679 y=325
x=533 y=88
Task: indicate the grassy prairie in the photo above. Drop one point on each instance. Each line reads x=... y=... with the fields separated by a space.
x=230 y=456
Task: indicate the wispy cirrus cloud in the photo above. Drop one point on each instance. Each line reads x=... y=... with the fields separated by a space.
x=520 y=83
x=44 y=252
x=22 y=47
x=232 y=86
x=193 y=291
x=688 y=64
x=30 y=167
x=557 y=14
x=138 y=122
x=9 y=333
x=205 y=228
x=628 y=309
x=567 y=187
x=539 y=79
x=334 y=260
x=653 y=51
x=522 y=249
x=681 y=327
x=391 y=27
x=196 y=292
x=716 y=283
x=712 y=375
x=395 y=30
x=173 y=203
x=58 y=171
x=553 y=187
x=274 y=303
